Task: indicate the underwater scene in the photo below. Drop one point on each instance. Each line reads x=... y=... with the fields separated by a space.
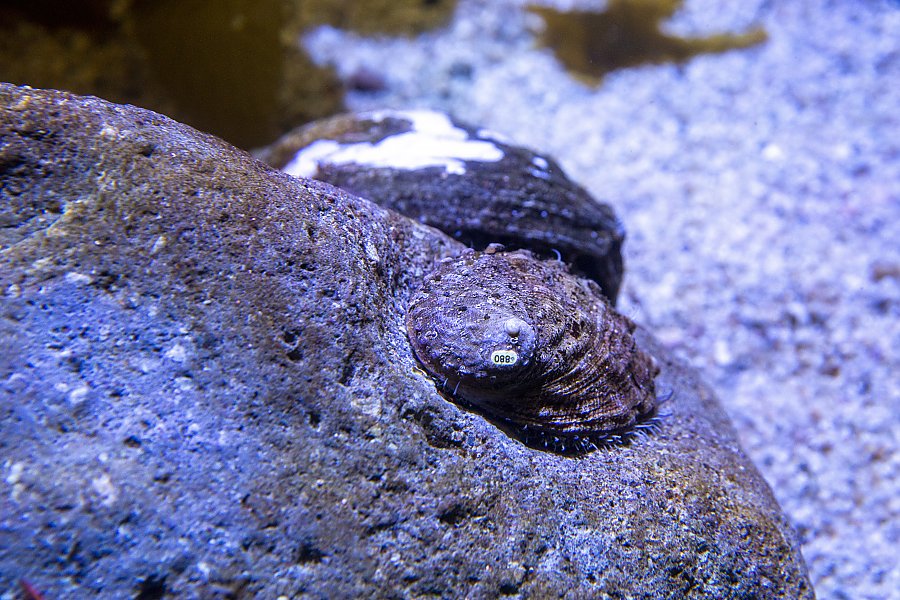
x=306 y=299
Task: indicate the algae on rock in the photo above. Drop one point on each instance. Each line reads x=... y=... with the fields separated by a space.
x=627 y=34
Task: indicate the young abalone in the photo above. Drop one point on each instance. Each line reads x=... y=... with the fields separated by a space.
x=533 y=348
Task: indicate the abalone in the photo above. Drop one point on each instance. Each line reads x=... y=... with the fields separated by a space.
x=533 y=348
x=466 y=181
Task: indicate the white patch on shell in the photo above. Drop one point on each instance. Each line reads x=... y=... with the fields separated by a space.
x=540 y=168
x=540 y=162
x=493 y=135
x=433 y=142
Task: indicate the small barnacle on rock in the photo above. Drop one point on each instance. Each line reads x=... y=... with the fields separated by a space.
x=536 y=350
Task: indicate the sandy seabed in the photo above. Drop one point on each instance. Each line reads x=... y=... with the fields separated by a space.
x=760 y=190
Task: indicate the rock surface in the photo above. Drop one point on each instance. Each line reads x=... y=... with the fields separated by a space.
x=207 y=391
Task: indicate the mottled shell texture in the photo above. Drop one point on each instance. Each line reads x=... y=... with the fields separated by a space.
x=532 y=347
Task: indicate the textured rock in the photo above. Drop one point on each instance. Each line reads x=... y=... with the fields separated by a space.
x=207 y=391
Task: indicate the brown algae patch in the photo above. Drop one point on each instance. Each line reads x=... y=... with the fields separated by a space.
x=379 y=17
x=627 y=34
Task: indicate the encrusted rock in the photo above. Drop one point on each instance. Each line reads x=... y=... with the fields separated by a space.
x=208 y=390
